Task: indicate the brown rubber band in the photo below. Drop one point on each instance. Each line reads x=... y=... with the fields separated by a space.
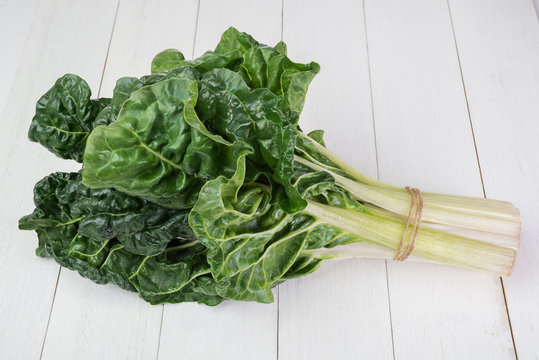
x=416 y=207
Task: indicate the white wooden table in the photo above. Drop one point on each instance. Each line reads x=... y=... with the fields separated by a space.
x=440 y=94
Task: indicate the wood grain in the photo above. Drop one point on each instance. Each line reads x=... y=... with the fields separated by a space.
x=424 y=140
x=342 y=310
x=97 y=321
x=28 y=283
x=15 y=22
x=402 y=84
x=499 y=53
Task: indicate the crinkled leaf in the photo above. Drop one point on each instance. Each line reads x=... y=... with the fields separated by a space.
x=253 y=117
x=268 y=67
x=261 y=66
x=125 y=86
x=157 y=148
x=65 y=116
x=63 y=204
x=252 y=243
x=171 y=59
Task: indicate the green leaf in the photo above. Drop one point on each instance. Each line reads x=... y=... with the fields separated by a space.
x=124 y=88
x=253 y=244
x=157 y=149
x=211 y=60
x=172 y=59
x=268 y=67
x=141 y=227
x=76 y=226
x=65 y=116
x=62 y=202
x=253 y=117
x=166 y=60
x=318 y=136
x=182 y=72
x=261 y=66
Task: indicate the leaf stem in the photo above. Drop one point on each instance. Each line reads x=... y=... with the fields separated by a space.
x=431 y=244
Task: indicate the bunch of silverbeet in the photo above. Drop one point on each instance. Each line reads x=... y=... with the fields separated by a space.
x=197 y=184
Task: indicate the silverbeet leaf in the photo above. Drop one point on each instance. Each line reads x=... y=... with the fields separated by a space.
x=253 y=244
x=255 y=117
x=166 y=60
x=62 y=202
x=260 y=66
x=158 y=149
x=171 y=59
x=177 y=272
x=125 y=86
x=269 y=67
x=65 y=116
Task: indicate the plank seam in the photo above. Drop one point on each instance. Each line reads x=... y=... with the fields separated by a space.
x=108 y=48
x=282 y=19
x=377 y=167
x=370 y=88
x=50 y=313
x=389 y=308
x=160 y=331
x=196 y=30
x=509 y=318
x=478 y=161
x=60 y=268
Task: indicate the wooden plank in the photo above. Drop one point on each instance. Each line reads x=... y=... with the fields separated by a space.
x=28 y=283
x=90 y=321
x=236 y=330
x=232 y=330
x=424 y=139
x=15 y=22
x=142 y=30
x=342 y=310
x=498 y=44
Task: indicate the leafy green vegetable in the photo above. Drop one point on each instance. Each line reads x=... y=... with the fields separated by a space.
x=267 y=67
x=252 y=242
x=104 y=214
x=254 y=117
x=198 y=185
x=166 y=60
x=158 y=149
x=173 y=59
x=65 y=116
x=108 y=236
x=259 y=65
x=125 y=86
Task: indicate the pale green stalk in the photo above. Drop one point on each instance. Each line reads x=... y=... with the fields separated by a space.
x=477 y=214
x=431 y=244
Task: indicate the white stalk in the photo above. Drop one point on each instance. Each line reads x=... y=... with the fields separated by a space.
x=430 y=245
x=470 y=213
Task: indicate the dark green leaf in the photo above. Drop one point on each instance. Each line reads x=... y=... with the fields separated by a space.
x=65 y=116
x=253 y=117
x=77 y=227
